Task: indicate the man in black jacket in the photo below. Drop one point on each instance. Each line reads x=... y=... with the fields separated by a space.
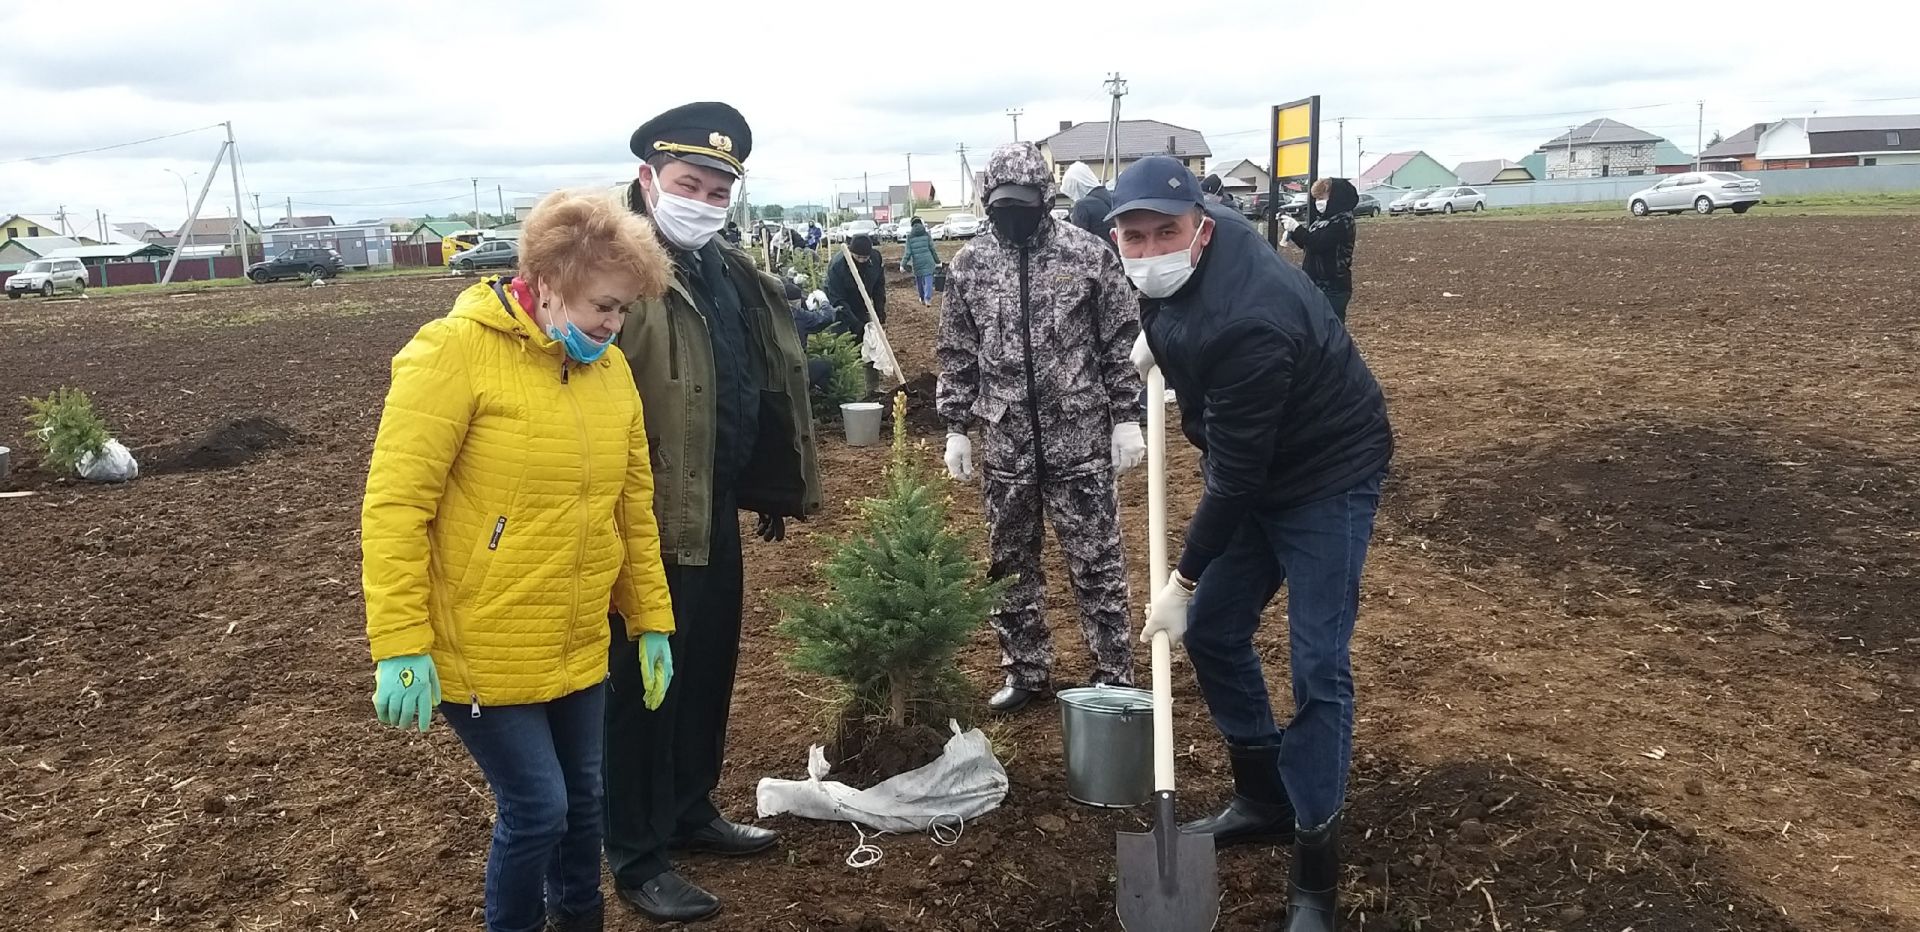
x=845 y=293
x=1296 y=441
x=1326 y=241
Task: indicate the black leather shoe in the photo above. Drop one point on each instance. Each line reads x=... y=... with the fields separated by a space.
x=670 y=898
x=727 y=838
x=1012 y=698
x=595 y=921
x=1260 y=812
x=1314 y=876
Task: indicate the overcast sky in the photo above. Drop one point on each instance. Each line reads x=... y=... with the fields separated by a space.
x=364 y=110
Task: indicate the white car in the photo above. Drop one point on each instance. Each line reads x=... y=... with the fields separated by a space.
x=1701 y=192
x=1450 y=201
x=962 y=226
x=46 y=276
x=937 y=231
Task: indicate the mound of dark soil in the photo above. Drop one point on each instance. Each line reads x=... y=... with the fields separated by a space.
x=866 y=751
x=234 y=443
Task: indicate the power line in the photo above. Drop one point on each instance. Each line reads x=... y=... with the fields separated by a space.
x=117 y=145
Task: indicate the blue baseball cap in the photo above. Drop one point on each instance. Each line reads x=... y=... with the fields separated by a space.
x=1158 y=183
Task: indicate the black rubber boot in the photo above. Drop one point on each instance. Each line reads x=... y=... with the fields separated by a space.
x=1315 y=879
x=1259 y=812
x=592 y=922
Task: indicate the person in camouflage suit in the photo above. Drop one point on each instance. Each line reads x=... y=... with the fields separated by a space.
x=1034 y=340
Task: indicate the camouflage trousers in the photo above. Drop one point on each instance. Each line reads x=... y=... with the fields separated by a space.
x=1086 y=519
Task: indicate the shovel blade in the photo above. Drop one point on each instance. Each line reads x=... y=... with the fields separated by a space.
x=1168 y=881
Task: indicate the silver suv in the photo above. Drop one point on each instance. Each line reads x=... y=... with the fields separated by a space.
x=46 y=276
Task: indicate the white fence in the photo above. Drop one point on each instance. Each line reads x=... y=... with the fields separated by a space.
x=1870 y=179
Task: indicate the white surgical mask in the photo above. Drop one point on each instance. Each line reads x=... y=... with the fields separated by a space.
x=1161 y=276
x=1320 y=205
x=685 y=222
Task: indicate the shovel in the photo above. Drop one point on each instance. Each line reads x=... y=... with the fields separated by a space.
x=1168 y=881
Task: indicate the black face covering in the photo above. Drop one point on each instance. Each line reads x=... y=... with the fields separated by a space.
x=1015 y=222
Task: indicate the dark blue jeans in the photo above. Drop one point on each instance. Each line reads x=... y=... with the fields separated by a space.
x=926 y=286
x=543 y=763
x=1318 y=550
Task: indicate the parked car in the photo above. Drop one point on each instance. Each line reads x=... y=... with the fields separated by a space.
x=1702 y=192
x=492 y=254
x=1404 y=203
x=315 y=261
x=962 y=226
x=1369 y=206
x=865 y=228
x=1451 y=201
x=1295 y=205
x=937 y=231
x=44 y=277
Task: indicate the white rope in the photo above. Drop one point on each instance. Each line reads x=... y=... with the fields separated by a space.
x=943 y=830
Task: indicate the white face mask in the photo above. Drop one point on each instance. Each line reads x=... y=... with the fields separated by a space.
x=1320 y=205
x=1161 y=276
x=685 y=222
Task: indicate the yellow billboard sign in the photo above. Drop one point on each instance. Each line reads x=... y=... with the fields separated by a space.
x=1296 y=152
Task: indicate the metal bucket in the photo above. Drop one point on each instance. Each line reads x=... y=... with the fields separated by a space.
x=1108 y=732
x=862 y=421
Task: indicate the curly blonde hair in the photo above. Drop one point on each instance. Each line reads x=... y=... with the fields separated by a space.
x=574 y=234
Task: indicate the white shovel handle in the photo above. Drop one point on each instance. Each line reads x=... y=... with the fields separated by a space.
x=1157 y=572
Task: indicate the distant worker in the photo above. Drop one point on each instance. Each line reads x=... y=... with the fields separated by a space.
x=813 y=235
x=1326 y=241
x=1091 y=202
x=921 y=258
x=1034 y=336
x=732 y=233
x=1213 y=191
x=850 y=297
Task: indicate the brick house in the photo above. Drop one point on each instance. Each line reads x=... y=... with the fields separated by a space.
x=1600 y=149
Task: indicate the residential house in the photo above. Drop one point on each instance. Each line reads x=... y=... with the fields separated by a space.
x=140 y=231
x=362 y=245
x=1668 y=159
x=17 y=226
x=1736 y=153
x=860 y=203
x=1535 y=163
x=1242 y=176
x=211 y=231
x=300 y=223
x=1833 y=142
x=1406 y=170
x=433 y=231
x=920 y=191
x=1602 y=148
x=19 y=249
x=1087 y=142
x=1492 y=172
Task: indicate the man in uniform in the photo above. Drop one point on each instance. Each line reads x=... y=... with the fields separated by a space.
x=1034 y=340
x=1295 y=432
x=724 y=384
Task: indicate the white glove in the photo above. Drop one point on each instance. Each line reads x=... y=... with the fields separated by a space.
x=1129 y=446
x=1142 y=356
x=959 y=457
x=1288 y=223
x=1169 y=612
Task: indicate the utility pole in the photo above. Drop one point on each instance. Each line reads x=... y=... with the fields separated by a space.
x=1342 y=123
x=1570 y=130
x=911 y=206
x=966 y=174
x=256 y=213
x=476 y=203
x=1015 y=113
x=62 y=217
x=499 y=191
x=239 y=213
x=289 y=210
x=1699 y=133
x=1116 y=88
x=866 y=195
x=1359 y=151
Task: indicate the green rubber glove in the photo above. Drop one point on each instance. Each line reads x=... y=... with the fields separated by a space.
x=405 y=688
x=656 y=668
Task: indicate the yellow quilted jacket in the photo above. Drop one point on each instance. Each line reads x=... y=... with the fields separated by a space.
x=509 y=505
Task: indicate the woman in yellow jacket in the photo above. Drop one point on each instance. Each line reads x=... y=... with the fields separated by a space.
x=509 y=508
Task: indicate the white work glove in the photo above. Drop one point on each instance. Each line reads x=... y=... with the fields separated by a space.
x=1129 y=446
x=1288 y=223
x=1141 y=355
x=959 y=457
x=1169 y=612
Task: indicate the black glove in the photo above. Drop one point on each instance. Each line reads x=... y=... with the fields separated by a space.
x=771 y=528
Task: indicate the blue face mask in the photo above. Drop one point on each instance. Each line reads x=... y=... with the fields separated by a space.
x=580 y=347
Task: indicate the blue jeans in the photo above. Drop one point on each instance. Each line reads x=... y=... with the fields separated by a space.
x=543 y=763
x=1318 y=550
x=926 y=286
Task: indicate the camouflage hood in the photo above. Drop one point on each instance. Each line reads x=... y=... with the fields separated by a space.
x=1019 y=163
